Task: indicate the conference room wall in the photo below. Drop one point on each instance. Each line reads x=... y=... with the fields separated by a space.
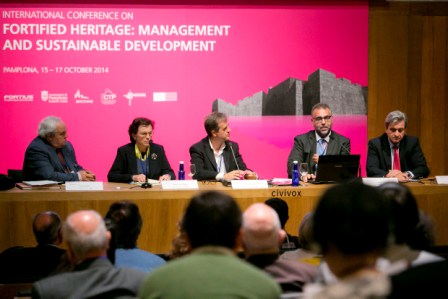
x=408 y=70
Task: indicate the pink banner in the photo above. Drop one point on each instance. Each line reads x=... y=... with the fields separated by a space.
x=99 y=67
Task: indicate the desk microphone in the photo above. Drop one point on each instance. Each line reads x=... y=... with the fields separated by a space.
x=233 y=154
x=146 y=184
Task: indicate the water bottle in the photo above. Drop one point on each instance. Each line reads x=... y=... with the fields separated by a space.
x=295 y=174
x=181 y=174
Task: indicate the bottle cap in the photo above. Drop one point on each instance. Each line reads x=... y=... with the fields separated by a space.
x=181 y=162
x=296 y=162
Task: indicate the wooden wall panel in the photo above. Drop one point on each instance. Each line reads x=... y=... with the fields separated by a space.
x=408 y=71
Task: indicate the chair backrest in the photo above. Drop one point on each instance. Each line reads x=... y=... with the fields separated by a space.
x=15 y=290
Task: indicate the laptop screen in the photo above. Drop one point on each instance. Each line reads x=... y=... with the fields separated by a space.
x=337 y=168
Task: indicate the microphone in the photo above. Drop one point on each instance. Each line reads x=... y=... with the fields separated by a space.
x=233 y=154
x=146 y=184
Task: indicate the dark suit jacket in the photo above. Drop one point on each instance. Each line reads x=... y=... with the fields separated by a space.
x=424 y=281
x=42 y=163
x=28 y=264
x=305 y=147
x=94 y=278
x=411 y=157
x=125 y=164
x=201 y=154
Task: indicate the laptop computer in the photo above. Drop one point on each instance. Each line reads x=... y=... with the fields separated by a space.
x=337 y=169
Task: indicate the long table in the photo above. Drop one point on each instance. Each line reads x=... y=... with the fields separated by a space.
x=162 y=209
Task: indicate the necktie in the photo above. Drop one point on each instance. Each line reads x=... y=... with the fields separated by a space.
x=62 y=160
x=322 y=147
x=396 y=165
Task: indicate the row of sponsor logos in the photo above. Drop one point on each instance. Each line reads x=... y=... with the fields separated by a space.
x=107 y=97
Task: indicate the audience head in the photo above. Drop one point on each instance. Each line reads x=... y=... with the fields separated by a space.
x=212 y=121
x=180 y=245
x=352 y=219
x=86 y=235
x=404 y=211
x=135 y=125
x=425 y=236
x=261 y=231
x=47 y=228
x=53 y=130
x=281 y=207
x=126 y=223
x=306 y=231
x=212 y=218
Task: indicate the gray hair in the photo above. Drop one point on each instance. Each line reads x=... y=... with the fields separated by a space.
x=394 y=117
x=82 y=243
x=47 y=126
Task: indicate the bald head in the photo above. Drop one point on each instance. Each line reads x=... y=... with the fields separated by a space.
x=86 y=234
x=47 y=228
x=261 y=229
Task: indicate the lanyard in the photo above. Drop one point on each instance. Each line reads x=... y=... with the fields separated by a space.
x=144 y=166
x=220 y=162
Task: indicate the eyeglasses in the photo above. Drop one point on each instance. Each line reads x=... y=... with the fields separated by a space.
x=320 y=118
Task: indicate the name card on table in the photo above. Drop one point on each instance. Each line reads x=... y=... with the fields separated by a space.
x=180 y=185
x=442 y=179
x=375 y=182
x=249 y=184
x=83 y=186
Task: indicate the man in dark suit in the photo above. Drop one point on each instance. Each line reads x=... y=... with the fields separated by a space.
x=28 y=264
x=395 y=154
x=93 y=275
x=51 y=157
x=215 y=157
x=320 y=141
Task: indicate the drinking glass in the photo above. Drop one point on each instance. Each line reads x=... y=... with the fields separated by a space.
x=303 y=169
x=192 y=170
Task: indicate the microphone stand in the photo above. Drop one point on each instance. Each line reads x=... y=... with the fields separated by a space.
x=233 y=154
x=146 y=184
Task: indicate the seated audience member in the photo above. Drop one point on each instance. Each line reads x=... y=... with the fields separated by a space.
x=28 y=264
x=405 y=220
x=395 y=154
x=212 y=224
x=51 y=157
x=351 y=227
x=93 y=276
x=305 y=253
x=321 y=141
x=126 y=222
x=425 y=237
x=215 y=157
x=261 y=236
x=281 y=207
x=140 y=159
x=424 y=281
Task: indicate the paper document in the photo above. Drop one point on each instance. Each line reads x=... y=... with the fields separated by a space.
x=42 y=183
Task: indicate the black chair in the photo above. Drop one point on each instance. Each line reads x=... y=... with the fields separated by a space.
x=16 y=174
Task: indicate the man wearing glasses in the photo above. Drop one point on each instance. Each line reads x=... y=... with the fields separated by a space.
x=320 y=141
x=395 y=154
